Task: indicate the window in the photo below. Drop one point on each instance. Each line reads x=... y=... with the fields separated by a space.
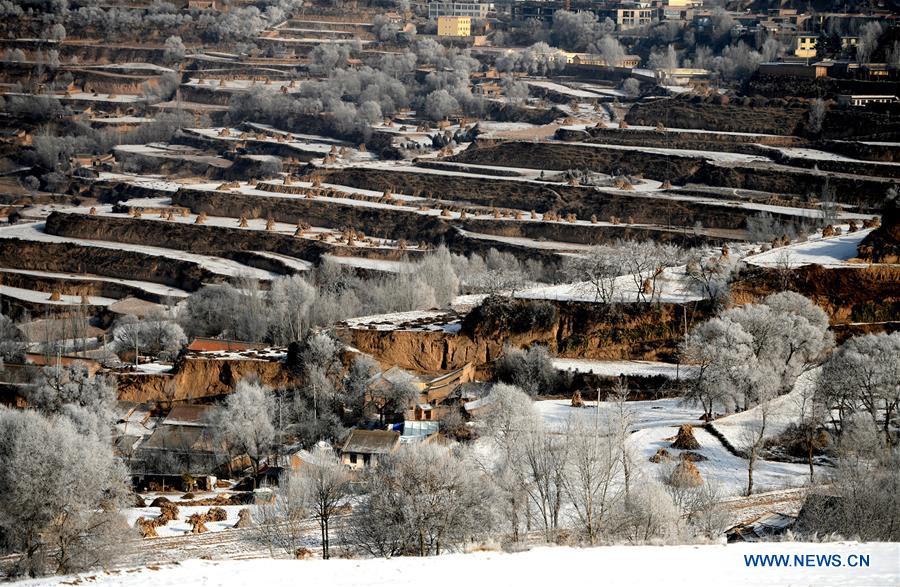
x=352 y=458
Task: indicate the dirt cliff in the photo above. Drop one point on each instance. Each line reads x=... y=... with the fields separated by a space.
x=196 y=378
x=568 y=329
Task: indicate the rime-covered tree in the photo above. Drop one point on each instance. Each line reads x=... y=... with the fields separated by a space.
x=12 y=347
x=71 y=390
x=325 y=485
x=423 y=500
x=60 y=494
x=244 y=425
x=591 y=474
x=531 y=370
x=290 y=300
x=863 y=374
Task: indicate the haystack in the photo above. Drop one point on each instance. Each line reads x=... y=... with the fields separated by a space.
x=244 y=519
x=159 y=501
x=55 y=296
x=242 y=222
x=303 y=553
x=147 y=528
x=685 y=439
x=661 y=456
x=168 y=512
x=198 y=523
x=201 y=218
x=686 y=474
x=85 y=299
x=216 y=515
x=93 y=211
x=270 y=224
x=577 y=402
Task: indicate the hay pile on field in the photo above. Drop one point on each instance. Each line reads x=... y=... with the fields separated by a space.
x=216 y=515
x=686 y=474
x=198 y=523
x=661 y=456
x=577 y=401
x=244 y=519
x=168 y=513
x=685 y=439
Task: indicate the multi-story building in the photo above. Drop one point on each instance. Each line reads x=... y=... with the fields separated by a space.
x=454 y=26
x=470 y=9
x=805 y=46
x=635 y=16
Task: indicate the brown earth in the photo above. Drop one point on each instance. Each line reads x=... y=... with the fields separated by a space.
x=579 y=330
x=197 y=378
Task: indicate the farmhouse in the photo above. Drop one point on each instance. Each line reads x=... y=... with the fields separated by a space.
x=363 y=448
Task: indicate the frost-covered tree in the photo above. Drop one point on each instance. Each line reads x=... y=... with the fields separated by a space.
x=598 y=268
x=612 y=51
x=591 y=475
x=863 y=374
x=325 y=485
x=12 y=346
x=71 y=390
x=153 y=335
x=508 y=415
x=712 y=274
x=436 y=270
x=173 y=49
x=60 y=494
x=290 y=300
x=817 y=110
x=531 y=370
x=244 y=425
x=868 y=41
x=423 y=500
x=356 y=383
x=440 y=104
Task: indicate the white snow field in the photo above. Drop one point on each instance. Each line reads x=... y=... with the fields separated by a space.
x=723 y=469
x=641 y=414
x=714 y=565
x=832 y=251
x=616 y=368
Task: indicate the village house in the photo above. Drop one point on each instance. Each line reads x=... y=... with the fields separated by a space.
x=363 y=448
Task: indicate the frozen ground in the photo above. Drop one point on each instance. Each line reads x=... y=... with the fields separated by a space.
x=782 y=411
x=35 y=232
x=42 y=297
x=616 y=368
x=670 y=566
x=154 y=288
x=725 y=470
x=673 y=286
x=430 y=320
x=834 y=251
x=641 y=414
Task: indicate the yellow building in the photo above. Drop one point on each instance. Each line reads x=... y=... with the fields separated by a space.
x=454 y=26
x=805 y=46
